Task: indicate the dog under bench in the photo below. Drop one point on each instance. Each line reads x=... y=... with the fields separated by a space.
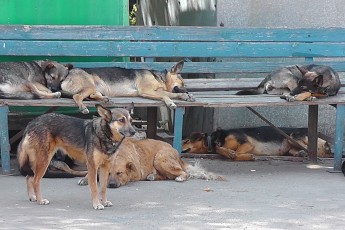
x=210 y=50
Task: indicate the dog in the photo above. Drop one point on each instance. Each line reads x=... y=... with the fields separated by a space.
x=151 y=160
x=102 y=83
x=92 y=141
x=31 y=80
x=244 y=144
x=299 y=83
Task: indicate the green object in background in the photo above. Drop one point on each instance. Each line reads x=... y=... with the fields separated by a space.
x=62 y=12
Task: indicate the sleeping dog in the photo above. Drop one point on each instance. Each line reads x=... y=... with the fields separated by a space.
x=245 y=144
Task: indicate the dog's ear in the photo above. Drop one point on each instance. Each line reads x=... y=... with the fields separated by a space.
x=131 y=167
x=69 y=66
x=302 y=70
x=318 y=81
x=47 y=65
x=130 y=108
x=177 y=68
x=103 y=112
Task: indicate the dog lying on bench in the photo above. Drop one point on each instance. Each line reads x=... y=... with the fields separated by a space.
x=31 y=80
x=299 y=83
x=101 y=83
x=244 y=144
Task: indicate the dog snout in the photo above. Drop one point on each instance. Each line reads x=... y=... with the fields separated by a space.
x=113 y=183
x=130 y=131
x=177 y=89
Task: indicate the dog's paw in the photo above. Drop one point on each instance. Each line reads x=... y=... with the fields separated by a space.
x=57 y=94
x=43 y=202
x=98 y=206
x=302 y=153
x=32 y=198
x=107 y=203
x=311 y=99
x=150 y=177
x=105 y=99
x=84 y=110
x=288 y=97
x=191 y=97
x=179 y=179
x=83 y=181
x=171 y=105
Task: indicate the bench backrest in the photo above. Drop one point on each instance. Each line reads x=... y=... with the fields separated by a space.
x=216 y=49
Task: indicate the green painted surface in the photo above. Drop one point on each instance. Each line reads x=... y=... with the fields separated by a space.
x=62 y=12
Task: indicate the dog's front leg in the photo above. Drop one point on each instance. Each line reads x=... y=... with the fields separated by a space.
x=92 y=180
x=103 y=180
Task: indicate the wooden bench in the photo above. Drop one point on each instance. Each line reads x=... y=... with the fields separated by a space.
x=210 y=50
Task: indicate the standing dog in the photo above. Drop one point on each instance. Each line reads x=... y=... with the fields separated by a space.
x=299 y=83
x=151 y=160
x=245 y=144
x=29 y=80
x=100 y=83
x=94 y=141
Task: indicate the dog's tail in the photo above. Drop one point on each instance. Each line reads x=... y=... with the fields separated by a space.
x=23 y=161
x=196 y=171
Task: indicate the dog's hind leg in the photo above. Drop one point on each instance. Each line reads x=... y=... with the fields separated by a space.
x=170 y=168
x=36 y=182
x=41 y=91
x=99 y=97
x=30 y=188
x=79 y=97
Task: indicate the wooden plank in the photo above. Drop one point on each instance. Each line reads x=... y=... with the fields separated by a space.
x=250 y=66
x=169 y=49
x=171 y=33
x=206 y=101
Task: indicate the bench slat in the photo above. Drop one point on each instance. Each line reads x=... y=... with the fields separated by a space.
x=171 y=33
x=169 y=49
x=213 y=67
x=206 y=101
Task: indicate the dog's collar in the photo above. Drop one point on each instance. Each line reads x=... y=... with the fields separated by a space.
x=115 y=146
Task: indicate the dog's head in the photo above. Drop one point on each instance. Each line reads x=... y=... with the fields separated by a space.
x=122 y=172
x=55 y=73
x=196 y=143
x=117 y=123
x=310 y=82
x=173 y=80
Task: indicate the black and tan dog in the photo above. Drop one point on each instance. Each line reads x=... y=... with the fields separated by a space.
x=299 y=83
x=151 y=160
x=91 y=141
x=101 y=83
x=30 y=80
x=244 y=144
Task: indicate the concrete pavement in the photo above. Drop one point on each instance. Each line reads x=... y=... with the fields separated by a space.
x=257 y=195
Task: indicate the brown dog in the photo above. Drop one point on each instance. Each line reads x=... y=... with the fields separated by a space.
x=151 y=160
x=245 y=144
x=101 y=83
x=91 y=141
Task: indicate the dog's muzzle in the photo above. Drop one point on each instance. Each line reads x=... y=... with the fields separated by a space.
x=177 y=89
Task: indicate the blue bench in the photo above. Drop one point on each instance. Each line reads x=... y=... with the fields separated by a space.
x=207 y=49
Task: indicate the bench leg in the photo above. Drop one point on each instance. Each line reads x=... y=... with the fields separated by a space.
x=339 y=137
x=312 y=132
x=178 y=123
x=4 y=140
x=151 y=122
